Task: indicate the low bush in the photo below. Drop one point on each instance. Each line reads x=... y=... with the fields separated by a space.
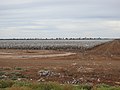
x=18 y=68
x=19 y=88
x=5 y=84
x=107 y=87
x=2 y=73
x=22 y=85
x=16 y=75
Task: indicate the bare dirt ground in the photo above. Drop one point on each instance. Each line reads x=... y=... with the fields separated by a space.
x=101 y=64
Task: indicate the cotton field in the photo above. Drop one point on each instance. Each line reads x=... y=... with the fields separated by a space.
x=49 y=44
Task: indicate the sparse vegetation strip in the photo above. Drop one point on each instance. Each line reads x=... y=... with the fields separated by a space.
x=21 y=85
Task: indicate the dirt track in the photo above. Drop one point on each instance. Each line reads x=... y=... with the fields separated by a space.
x=99 y=65
x=13 y=56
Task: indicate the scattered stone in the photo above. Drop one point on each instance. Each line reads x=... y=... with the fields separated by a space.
x=41 y=80
x=48 y=73
x=92 y=58
x=111 y=55
x=4 y=76
x=98 y=79
x=117 y=83
x=81 y=79
x=74 y=64
x=44 y=73
x=19 y=79
x=75 y=81
x=85 y=70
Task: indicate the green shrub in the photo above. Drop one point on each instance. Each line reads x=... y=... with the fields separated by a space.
x=5 y=84
x=7 y=68
x=103 y=85
x=22 y=85
x=107 y=87
x=2 y=73
x=19 y=88
x=16 y=75
x=68 y=87
x=87 y=87
x=46 y=86
x=18 y=68
x=83 y=87
x=1 y=77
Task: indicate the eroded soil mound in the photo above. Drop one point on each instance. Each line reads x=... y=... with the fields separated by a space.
x=109 y=48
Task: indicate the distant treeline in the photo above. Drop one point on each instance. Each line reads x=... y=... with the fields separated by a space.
x=59 y=39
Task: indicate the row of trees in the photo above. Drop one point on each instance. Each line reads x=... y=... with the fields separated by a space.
x=58 y=39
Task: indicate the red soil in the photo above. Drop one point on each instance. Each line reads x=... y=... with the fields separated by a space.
x=101 y=64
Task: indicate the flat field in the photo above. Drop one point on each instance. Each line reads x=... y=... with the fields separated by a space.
x=101 y=64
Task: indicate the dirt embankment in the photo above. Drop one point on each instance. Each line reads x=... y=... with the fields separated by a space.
x=111 y=48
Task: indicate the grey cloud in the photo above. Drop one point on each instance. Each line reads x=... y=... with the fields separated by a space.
x=63 y=9
x=57 y=15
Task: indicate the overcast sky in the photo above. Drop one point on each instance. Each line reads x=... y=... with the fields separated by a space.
x=59 y=18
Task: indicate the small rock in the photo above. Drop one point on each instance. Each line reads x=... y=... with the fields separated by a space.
x=44 y=73
x=74 y=64
x=4 y=76
x=98 y=79
x=19 y=79
x=81 y=79
x=117 y=83
x=41 y=80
